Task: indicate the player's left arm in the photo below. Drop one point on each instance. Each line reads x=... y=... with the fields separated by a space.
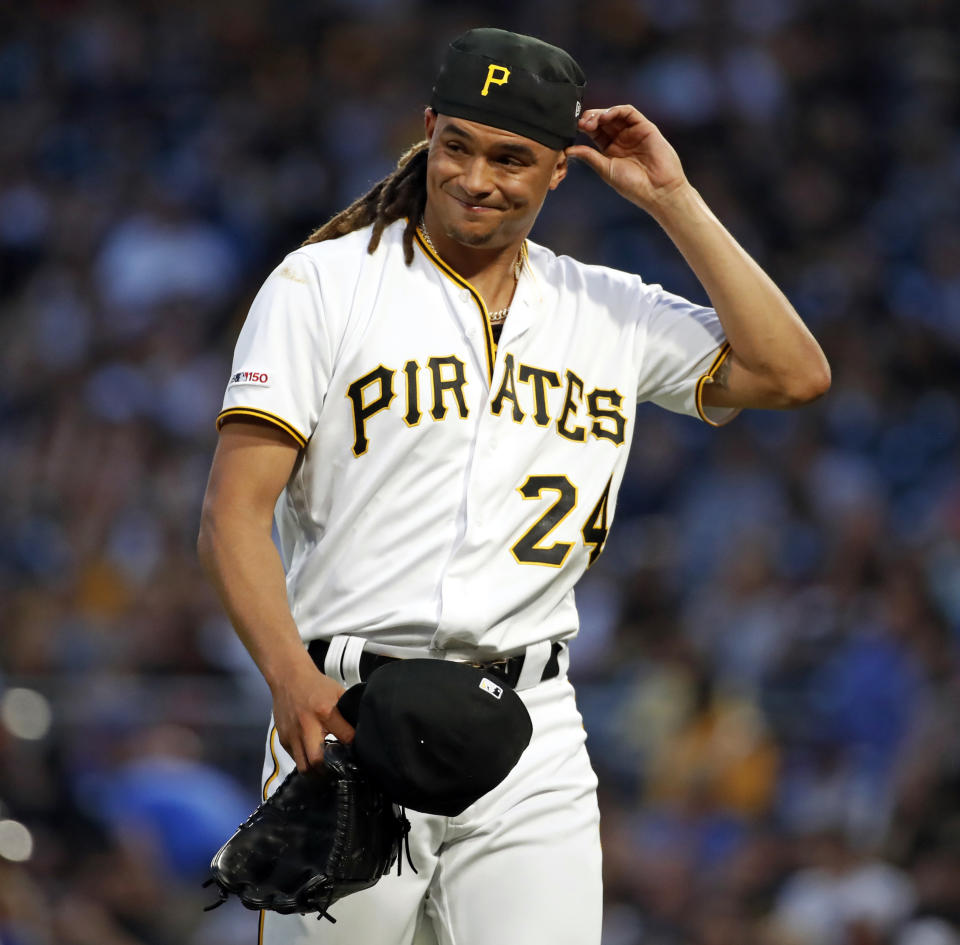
x=774 y=360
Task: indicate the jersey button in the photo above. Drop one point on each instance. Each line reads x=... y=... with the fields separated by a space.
x=464 y=296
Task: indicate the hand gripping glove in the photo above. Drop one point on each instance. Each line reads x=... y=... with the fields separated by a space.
x=321 y=836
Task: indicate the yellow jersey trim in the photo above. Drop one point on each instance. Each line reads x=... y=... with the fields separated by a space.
x=464 y=284
x=276 y=762
x=722 y=355
x=266 y=788
x=262 y=415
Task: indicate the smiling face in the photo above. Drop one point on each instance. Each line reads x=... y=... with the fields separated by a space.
x=485 y=186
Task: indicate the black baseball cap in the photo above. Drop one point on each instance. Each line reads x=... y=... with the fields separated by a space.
x=514 y=82
x=435 y=734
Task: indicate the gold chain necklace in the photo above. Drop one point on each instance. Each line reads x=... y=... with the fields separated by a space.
x=500 y=314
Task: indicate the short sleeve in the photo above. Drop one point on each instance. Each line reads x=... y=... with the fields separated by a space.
x=282 y=361
x=682 y=347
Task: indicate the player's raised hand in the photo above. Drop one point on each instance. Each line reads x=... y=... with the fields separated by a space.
x=305 y=712
x=631 y=155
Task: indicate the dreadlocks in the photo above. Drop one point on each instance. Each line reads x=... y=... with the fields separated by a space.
x=403 y=193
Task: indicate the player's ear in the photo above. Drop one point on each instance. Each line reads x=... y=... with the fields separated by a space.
x=559 y=170
x=429 y=121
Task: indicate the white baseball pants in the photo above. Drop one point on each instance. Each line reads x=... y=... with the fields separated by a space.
x=521 y=866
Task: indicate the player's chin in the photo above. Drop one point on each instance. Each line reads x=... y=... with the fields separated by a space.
x=490 y=227
x=468 y=236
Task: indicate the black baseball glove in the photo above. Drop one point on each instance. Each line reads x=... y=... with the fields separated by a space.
x=321 y=836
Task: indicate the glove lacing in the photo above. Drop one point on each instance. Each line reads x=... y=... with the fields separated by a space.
x=224 y=896
x=403 y=839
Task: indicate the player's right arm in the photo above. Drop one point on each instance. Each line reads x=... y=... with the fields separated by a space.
x=251 y=467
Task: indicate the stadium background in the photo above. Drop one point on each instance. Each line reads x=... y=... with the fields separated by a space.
x=768 y=662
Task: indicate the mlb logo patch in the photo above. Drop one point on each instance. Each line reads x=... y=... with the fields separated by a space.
x=487 y=686
x=261 y=378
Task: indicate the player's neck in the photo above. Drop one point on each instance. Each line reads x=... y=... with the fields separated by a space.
x=491 y=270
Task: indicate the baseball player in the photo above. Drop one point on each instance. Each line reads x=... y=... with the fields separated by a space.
x=438 y=413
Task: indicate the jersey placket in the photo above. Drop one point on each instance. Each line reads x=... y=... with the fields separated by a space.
x=456 y=603
x=467 y=308
x=462 y=610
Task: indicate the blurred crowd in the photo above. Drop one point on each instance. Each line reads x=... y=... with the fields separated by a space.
x=768 y=662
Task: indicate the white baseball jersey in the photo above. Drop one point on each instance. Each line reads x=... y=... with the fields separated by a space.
x=451 y=490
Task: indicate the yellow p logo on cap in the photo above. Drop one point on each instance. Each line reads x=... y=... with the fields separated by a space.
x=496 y=75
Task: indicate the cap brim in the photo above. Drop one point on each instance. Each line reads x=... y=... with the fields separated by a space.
x=501 y=121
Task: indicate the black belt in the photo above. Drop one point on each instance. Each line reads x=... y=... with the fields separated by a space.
x=507 y=670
